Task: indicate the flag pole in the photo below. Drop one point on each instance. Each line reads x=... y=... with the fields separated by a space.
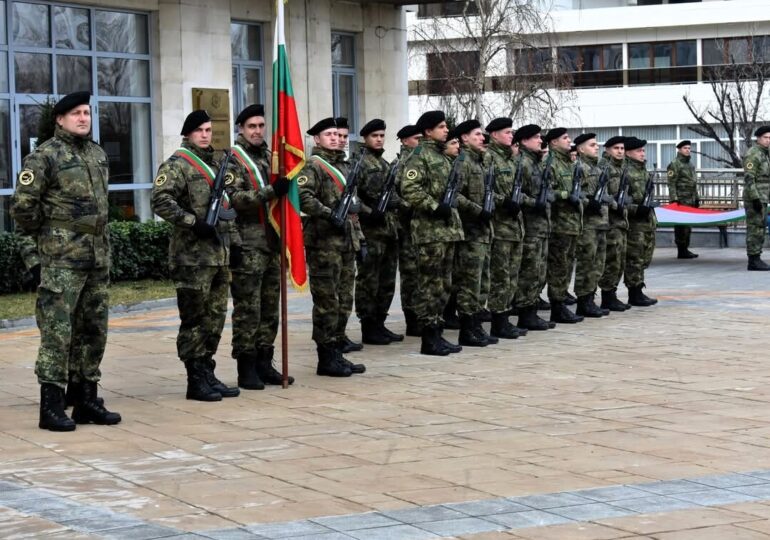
x=284 y=302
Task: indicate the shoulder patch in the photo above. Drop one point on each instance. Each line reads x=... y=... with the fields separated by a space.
x=670 y=173
x=750 y=165
x=26 y=177
x=301 y=180
x=411 y=174
x=229 y=179
x=160 y=179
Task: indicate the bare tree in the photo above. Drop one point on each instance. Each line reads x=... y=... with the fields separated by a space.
x=473 y=50
x=737 y=89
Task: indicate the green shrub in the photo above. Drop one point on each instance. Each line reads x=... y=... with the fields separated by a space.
x=13 y=274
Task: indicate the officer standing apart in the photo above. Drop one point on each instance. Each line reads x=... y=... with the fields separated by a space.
x=329 y=250
x=641 y=225
x=199 y=254
x=61 y=204
x=376 y=277
x=256 y=264
x=436 y=228
x=566 y=223
x=683 y=189
x=756 y=189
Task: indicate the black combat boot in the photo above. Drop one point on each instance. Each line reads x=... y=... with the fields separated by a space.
x=451 y=347
x=71 y=396
x=569 y=300
x=248 y=378
x=265 y=368
x=637 y=298
x=478 y=329
x=611 y=302
x=755 y=263
x=431 y=343
x=392 y=336
x=372 y=334
x=451 y=321
x=198 y=388
x=502 y=328
x=209 y=365
x=560 y=313
x=587 y=308
x=87 y=409
x=684 y=253
x=412 y=325
x=543 y=305
x=348 y=345
x=467 y=335
x=485 y=315
x=52 y=415
x=329 y=364
x=529 y=319
x=354 y=368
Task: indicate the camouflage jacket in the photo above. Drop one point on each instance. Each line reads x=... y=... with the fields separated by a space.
x=590 y=184
x=682 y=185
x=319 y=193
x=61 y=202
x=618 y=220
x=505 y=226
x=374 y=173
x=250 y=197
x=181 y=195
x=756 y=174
x=404 y=208
x=536 y=223
x=565 y=218
x=637 y=180
x=426 y=172
x=469 y=205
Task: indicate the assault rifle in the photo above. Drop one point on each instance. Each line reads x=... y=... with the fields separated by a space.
x=449 y=198
x=516 y=191
x=649 y=198
x=388 y=188
x=488 y=205
x=219 y=208
x=544 y=196
x=623 y=189
x=342 y=208
x=577 y=184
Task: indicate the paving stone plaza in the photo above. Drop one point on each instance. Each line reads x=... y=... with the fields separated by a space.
x=648 y=424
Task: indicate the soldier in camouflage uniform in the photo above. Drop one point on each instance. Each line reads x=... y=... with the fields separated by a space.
x=617 y=235
x=756 y=190
x=198 y=254
x=409 y=136
x=566 y=224
x=436 y=228
x=592 y=242
x=471 y=253
x=256 y=276
x=61 y=205
x=641 y=225
x=376 y=277
x=683 y=189
x=330 y=250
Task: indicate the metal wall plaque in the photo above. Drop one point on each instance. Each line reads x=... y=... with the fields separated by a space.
x=217 y=103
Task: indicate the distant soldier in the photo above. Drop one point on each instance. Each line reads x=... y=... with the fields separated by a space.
x=60 y=204
x=199 y=254
x=756 y=170
x=683 y=189
x=343 y=133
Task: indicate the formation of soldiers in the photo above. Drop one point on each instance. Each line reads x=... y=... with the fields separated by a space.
x=477 y=223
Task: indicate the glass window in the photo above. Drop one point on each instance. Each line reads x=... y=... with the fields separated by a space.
x=123 y=77
x=711 y=153
x=71 y=28
x=123 y=133
x=6 y=223
x=33 y=73
x=73 y=74
x=3 y=35
x=133 y=205
x=121 y=32
x=31 y=26
x=29 y=120
x=343 y=50
x=5 y=145
x=761 y=48
x=713 y=52
x=344 y=79
x=248 y=69
x=613 y=56
x=346 y=92
x=639 y=56
x=592 y=66
x=663 y=56
x=246 y=41
x=667 y=154
x=686 y=53
x=250 y=85
x=3 y=72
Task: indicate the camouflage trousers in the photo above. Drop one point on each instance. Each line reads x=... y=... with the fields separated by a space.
x=756 y=227
x=641 y=245
x=561 y=261
x=407 y=270
x=505 y=260
x=434 y=281
x=532 y=271
x=256 y=292
x=682 y=236
x=615 y=259
x=332 y=278
x=376 y=279
x=72 y=311
x=485 y=275
x=201 y=297
x=467 y=271
x=589 y=260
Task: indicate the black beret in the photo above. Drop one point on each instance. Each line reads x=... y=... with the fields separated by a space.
x=583 y=137
x=684 y=143
x=632 y=143
x=409 y=130
x=430 y=119
x=573 y=148
x=371 y=126
x=612 y=141
x=499 y=123
x=452 y=134
x=466 y=127
x=761 y=130
x=554 y=133
x=487 y=138
x=193 y=120
x=525 y=132
x=342 y=122
x=248 y=112
x=70 y=101
x=543 y=144
x=322 y=125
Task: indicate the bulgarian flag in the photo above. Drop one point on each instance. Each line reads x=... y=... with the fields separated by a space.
x=678 y=214
x=288 y=156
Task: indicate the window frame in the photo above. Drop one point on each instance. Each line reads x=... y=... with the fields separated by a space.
x=339 y=70
x=240 y=65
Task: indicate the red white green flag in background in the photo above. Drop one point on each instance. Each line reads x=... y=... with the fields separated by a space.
x=287 y=145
